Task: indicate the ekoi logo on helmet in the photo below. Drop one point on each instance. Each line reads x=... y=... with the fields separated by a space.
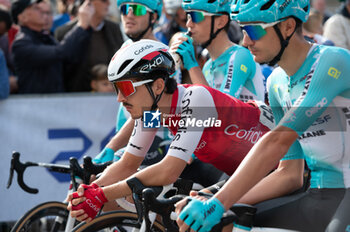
x=148 y=67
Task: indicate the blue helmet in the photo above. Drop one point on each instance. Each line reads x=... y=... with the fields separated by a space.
x=210 y=6
x=155 y=5
x=269 y=11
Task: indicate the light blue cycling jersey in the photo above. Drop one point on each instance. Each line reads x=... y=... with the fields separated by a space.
x=315 y=102
x=234 y=72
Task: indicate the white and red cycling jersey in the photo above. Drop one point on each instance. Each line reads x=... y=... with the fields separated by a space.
x=216 y=127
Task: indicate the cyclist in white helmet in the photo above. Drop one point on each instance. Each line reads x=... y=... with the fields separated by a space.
x=218 y=128
x=231 y=67
x=310 y=98
x=138 y=18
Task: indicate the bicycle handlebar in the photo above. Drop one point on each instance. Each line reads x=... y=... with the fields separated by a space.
x=19 y=167
x=74 y=169
x=162 y=207
x=241 y=214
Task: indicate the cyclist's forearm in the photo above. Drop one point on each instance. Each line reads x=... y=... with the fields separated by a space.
x=120 y=170
x=163 y=173
x=113 y=174
x=197 y=76
x=121 y=139
x=287 y=178
x=121 y=189
x=259 y=162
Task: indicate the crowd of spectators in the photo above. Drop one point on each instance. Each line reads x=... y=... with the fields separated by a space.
x=52 y=49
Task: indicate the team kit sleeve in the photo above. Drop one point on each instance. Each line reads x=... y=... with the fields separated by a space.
x=197 y=106
x=241 y=67
x=141 y=139
x=330 y=79
x=295 y=151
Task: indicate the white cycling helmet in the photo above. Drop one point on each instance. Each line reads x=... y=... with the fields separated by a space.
x=141 y=59
x=145 y=59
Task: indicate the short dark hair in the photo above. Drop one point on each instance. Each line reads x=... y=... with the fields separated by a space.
x=170 y=83
x=170 y=86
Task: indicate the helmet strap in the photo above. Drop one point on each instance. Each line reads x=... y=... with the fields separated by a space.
x=155 y=98
x=284 y=44
x=212 y=34
x=139 y=37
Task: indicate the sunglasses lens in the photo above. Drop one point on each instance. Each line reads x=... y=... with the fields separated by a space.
x=138 y=10
x=255 y=32
x=124 y=9
x=125 y=87
x=195 y=16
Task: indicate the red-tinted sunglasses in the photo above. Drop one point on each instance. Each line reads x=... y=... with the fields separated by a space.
x=127 y=87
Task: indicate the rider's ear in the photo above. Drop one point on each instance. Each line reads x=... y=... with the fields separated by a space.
x=221 y=21
x=287 y=27
x=158 y=86
x=154 y=18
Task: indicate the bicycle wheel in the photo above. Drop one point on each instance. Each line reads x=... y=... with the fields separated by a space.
x=43 y=217
x=117 y=221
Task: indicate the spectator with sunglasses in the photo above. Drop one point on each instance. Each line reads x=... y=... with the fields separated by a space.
x=231 y=68
x=309 y=94
x=142 y=74
x=105 y=40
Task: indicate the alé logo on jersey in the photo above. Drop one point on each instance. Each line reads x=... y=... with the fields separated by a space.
x=333 y=72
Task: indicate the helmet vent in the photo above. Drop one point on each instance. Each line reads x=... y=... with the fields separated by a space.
x=306 y=8
x=246 y=1
x=122 y=67
x=211 y=1
x=267 y=5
